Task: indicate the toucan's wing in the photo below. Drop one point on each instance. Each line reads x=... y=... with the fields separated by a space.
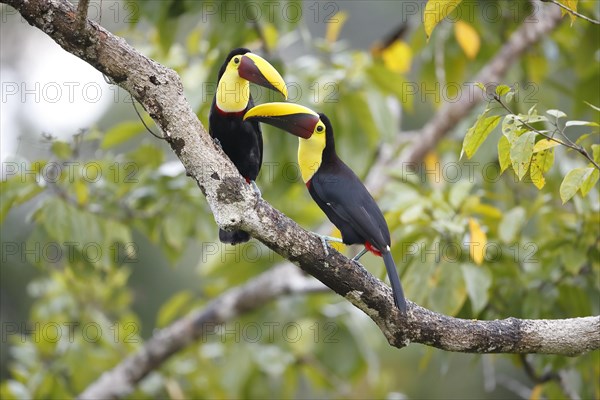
x=342 y=191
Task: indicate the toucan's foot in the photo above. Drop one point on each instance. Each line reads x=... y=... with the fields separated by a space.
x=256 y=189
x=324 y=243
x=217 y=142
x=359 y=255
x=325 y=239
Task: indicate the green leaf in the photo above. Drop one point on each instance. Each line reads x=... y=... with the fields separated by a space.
x=173 y=308
x=573 y=182
x=121 y=133
x=459 y=192
x=478 y=281
x=541 y=163
x=501 y=90
x=504 y=153
x=389 y=82
x=573 y=259
x=580 y=123
x=16 y=191
x=521 y=152
x=556 y=113
x=359 y=107
x=62 y=150
x=67 y=224
x=509 y=97
x=478 y=133
x=511 y=128
x=593 y=106
x=417 y=276
x=582 y=138
x=448 y=293
x=176 y=229
x=511 y=224
x=114 y=233
x=596 y=152
x=590 y=182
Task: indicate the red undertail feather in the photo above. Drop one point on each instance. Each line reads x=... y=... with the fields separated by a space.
x=372 y=249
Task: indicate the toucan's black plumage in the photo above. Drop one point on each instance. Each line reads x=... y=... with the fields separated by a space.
x=241 y=140
x=333 y=185
x=351 y=208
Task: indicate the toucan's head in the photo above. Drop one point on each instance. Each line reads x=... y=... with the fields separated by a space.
x=314 y=130
x=240 y=67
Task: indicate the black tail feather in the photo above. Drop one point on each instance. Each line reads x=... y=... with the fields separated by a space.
x=390 y=266
x=233 y=237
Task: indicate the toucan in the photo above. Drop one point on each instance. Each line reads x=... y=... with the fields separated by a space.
x=241 y=140
x=333 y=185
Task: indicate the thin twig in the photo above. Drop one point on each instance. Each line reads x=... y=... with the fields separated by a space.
x=82 y=10
x=575 y=147
x=593 y=21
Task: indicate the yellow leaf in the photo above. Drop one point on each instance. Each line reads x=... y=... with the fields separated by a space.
x=397 y=57
x=544 y=144
x=572 y=4
x=81 y=191
x=334 y=26
x=432 y=168
x=435 y=11
x=536 y=392
x=478 y=241
x=468 y=39
x=541 y=163
x=271 y=35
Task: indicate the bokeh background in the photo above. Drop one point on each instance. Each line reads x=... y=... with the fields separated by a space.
x=105 y=239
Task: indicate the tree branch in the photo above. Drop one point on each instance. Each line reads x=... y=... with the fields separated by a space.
x=449 y=333
x=235 y=205
x=121 y=380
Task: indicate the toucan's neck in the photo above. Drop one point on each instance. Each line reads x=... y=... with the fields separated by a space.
x=233 y=93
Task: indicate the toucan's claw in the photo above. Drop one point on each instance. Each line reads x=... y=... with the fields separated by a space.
x=324 y=243
x=325 y=239
x=217 y=142
x=256 y=189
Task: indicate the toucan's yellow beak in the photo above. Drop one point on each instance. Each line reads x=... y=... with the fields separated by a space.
x=257 y=70
x=293 y=118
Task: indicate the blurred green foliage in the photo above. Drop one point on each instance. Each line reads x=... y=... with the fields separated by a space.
x=123 y=242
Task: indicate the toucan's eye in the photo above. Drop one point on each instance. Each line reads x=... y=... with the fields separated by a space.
x=320 y=128
x=236 y=60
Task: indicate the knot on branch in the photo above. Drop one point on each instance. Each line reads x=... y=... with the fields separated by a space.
x=234 y=200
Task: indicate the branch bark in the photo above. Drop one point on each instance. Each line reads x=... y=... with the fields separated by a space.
x=235 y=205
